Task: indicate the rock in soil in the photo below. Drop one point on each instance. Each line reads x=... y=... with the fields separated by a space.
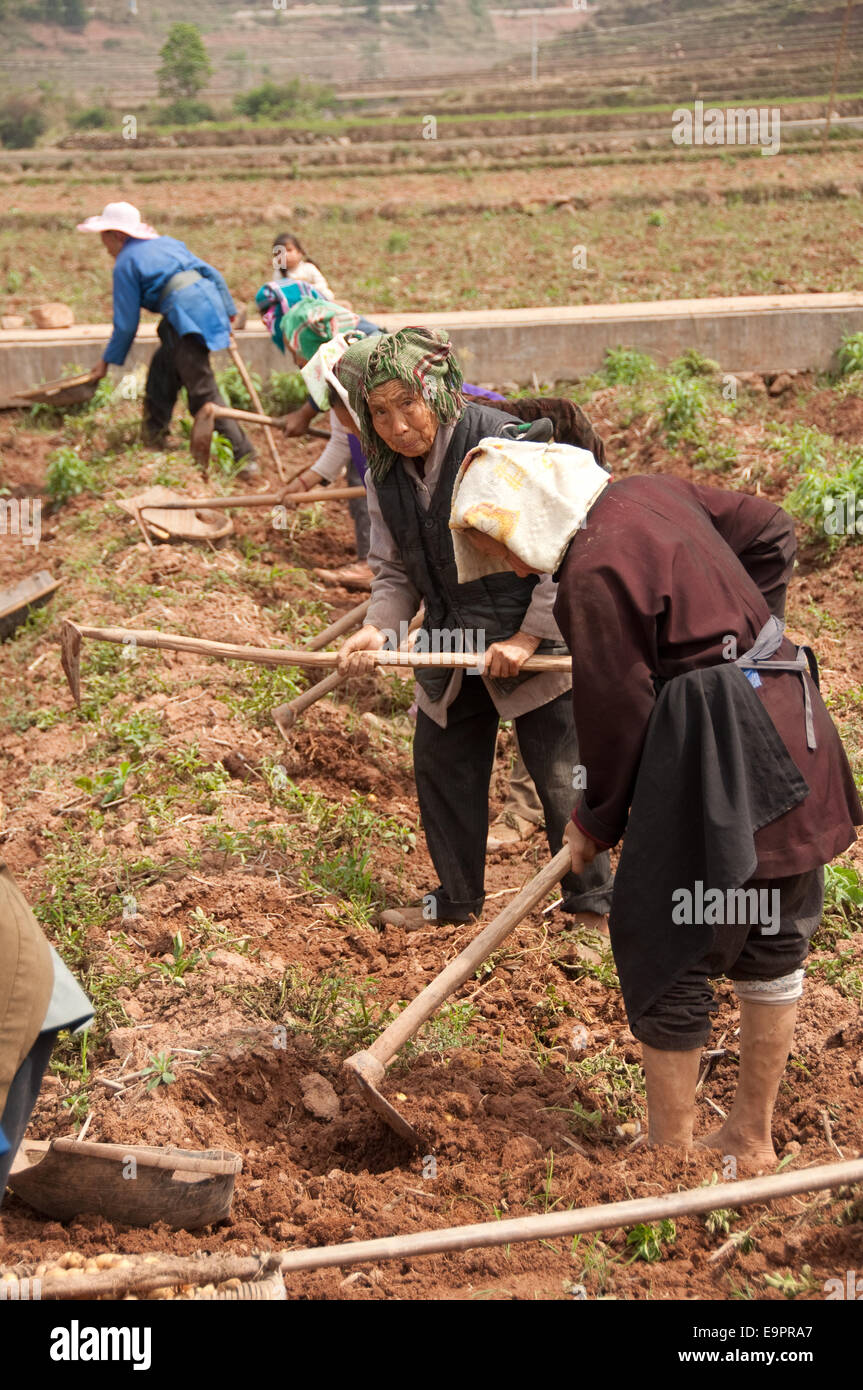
x=319 y=1098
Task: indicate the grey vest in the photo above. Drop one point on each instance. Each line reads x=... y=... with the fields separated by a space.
x=495 y=605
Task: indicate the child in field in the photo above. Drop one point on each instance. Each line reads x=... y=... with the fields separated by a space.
x=292 y=263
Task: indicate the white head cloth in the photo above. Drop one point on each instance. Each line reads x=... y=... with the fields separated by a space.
x=320 y=378
x=531 y=497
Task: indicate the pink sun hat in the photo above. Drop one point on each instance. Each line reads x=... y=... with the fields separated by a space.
x=119 y=217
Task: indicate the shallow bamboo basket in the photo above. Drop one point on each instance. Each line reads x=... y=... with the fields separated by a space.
x=64 y=1179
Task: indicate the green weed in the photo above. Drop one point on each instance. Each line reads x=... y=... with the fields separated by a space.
x=68 y=474
x=646 y=1241
x=625 y=366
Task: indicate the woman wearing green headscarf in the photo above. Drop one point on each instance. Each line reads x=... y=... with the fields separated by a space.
x=406 y=390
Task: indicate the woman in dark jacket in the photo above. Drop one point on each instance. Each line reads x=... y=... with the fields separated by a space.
x=703 y=735
x=405 y=389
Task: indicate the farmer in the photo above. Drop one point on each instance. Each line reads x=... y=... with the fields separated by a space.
x=160 y=274
x=38 y=997
x=316 y=332
x=703 y=736
x=406 y=390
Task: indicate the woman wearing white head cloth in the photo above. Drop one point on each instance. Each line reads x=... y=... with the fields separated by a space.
x=702 y=734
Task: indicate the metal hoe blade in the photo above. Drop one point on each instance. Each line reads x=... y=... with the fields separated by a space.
x=363 y=1067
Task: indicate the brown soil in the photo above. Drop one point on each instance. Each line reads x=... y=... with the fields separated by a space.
x=516 y=1125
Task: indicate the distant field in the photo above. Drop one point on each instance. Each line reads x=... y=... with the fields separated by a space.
x=434 y=242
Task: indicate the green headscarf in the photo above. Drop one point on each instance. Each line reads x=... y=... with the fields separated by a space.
x=310 y=322
x=423 y=359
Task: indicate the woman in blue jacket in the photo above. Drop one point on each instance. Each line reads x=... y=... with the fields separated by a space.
x=160 y=274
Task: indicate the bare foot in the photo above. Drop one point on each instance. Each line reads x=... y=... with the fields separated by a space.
x=758 y=1152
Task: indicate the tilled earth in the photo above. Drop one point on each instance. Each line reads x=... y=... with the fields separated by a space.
x=221 y=900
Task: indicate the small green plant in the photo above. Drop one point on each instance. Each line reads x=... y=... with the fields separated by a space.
x=182 y=961
x=646 y=1241
x=67 y=474
x=234 y=389
x=715 y=455
x=398 y=241
x=789 y=1285
x=159 y=1071
x=140 y=731
x=77 y=1072
x=683 y=405
x=851 y=354
x=830 y=500
x=840 y=972
x=219 y=933
x=284 y=392
x=448 y=1028
x=843 y=891
x=620 y=1082
x=694 y=363
x=222 y=461
x=804 y=446
x=625 y=366
x=108 y=785
x=338 y=1013
x=718 y=1222
x=655 y=219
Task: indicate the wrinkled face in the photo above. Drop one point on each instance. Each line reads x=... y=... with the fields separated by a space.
x=489 y=546
x=286 y=257
x=402 y=418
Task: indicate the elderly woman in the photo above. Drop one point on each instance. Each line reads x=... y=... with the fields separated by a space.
x=406 y=390
x=703 y=735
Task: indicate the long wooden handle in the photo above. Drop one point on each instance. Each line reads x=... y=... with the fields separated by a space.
x=551 y=1225
x=467 y=961
x=259 y=499
x=256 y=402
x=281 y=656
x=351 y=619
x=228 y=412
x=285 y=716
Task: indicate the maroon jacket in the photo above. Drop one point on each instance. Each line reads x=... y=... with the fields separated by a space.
x=661 y=577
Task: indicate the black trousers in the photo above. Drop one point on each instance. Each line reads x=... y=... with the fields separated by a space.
x=680 y=1019
x=453 y=769
x=184 y=360
x=20 y=1099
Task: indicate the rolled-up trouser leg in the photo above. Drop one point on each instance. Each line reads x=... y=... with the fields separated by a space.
x=453 y=767
x=21 y=1098
x=358 y=508
x=763 y=964
x=549 y=746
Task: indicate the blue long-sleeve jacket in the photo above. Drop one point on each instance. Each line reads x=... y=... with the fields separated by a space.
x=141 y=271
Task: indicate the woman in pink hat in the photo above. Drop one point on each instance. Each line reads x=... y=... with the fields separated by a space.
x=160 y=274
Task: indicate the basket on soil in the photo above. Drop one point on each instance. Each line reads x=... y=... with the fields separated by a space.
x=135 y=1184
x=68 y=390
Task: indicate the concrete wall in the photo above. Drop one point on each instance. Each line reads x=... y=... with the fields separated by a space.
x=757 y=333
